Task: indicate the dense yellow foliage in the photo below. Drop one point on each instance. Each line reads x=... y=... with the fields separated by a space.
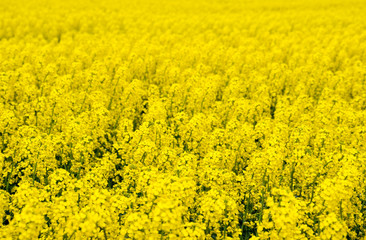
x=195 y=119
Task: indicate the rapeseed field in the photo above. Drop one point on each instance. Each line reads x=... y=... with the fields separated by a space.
x=190 y=119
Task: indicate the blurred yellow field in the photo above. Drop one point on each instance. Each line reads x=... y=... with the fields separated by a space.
x=191 y=119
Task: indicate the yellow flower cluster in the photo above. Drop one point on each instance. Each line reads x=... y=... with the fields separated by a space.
x=192 y=119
